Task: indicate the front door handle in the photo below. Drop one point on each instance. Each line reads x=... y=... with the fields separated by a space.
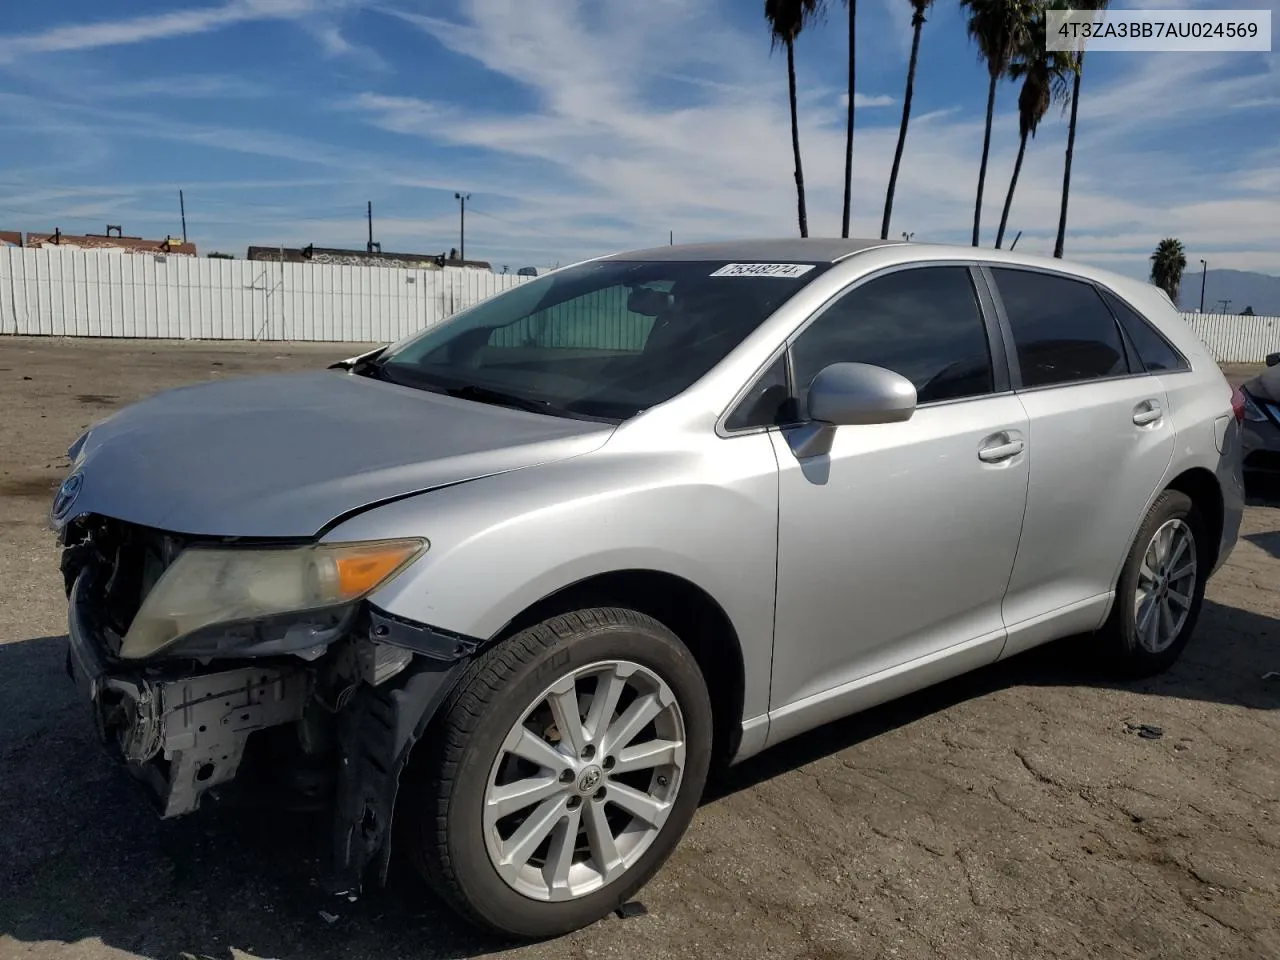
x=1000 y=447
x=1148 y=412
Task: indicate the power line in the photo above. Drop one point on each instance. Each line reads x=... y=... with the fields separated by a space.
x=516 y=223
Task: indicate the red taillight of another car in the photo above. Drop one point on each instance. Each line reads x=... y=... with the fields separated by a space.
x=1238 y=404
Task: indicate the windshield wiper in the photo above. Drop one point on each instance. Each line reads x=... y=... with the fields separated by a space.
x=471 y=391
x=421 y=380
x=481 y=394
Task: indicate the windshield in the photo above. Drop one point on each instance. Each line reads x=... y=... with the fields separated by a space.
x=605 y=339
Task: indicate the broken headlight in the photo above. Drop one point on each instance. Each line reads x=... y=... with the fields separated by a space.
x=243 y=587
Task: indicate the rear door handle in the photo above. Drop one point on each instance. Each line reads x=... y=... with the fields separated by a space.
x=1148 y=412
x=999 y=447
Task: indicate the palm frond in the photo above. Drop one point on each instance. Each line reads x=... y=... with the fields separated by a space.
x=999 y=28
x=788 y=18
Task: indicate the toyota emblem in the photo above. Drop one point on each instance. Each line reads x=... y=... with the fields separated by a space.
x=66 y=495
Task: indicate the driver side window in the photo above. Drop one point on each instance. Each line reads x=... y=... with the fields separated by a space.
x=924 y=323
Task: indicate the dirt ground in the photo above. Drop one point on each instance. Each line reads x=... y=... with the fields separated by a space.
x=1014 y=813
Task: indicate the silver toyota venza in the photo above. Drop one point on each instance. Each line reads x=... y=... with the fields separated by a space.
x=500 y=595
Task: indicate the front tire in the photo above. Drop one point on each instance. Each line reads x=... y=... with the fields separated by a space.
x=1161 y=590
x=567 y=765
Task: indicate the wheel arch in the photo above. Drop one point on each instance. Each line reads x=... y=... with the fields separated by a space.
x=1205 y=491
x=1202 y=487
x=683 y=607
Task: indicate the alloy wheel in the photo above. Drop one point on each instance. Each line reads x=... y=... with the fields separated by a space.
x=584 y=781
x=1166 y=586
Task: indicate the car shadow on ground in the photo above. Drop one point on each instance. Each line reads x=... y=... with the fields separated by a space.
x=82 y=856
x=1268 y=540
x=1224 y=663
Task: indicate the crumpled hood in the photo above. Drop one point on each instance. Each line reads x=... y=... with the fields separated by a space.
x=284 y=455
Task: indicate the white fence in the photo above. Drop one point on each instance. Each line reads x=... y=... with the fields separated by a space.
x=1235 y=339
x=86 y=293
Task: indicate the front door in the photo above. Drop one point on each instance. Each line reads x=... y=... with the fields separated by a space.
x=899 y=543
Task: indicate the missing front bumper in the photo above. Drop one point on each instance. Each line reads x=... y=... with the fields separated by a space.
x=367 y=703
x=181 y=737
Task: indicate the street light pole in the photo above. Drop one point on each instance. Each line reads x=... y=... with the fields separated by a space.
x=1204 y=272
x=462 y=199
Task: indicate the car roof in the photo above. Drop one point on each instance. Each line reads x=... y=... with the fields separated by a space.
x=781 y=250
x=832 y=250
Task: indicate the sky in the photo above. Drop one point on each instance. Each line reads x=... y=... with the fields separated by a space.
x=583 y=127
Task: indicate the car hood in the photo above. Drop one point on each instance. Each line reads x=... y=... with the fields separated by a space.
x=285 y=455
x=1266 y=385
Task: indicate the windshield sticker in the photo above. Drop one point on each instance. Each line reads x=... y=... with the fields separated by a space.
x=788 y=270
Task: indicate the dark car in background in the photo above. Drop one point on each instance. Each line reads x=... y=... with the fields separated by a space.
x=1258 y=405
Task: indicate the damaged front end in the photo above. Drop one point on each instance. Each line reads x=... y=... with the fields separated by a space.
x=320 y=705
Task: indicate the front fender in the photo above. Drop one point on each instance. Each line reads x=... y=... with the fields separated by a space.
x=501 y=544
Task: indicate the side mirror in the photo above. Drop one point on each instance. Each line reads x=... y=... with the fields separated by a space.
x=1273 y=359
x=845 y=394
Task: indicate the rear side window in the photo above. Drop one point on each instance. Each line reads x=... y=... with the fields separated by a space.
x=1154 y=352
x=1063 y=331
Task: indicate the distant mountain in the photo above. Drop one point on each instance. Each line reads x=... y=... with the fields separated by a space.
x=1242 y=287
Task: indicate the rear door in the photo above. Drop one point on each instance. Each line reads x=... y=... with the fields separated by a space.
x=1100 y=440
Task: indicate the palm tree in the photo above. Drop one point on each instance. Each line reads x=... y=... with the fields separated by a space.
x=848 y=142
x=786 y=19
x=918 y=8
x=999 y=27
x=1078 y=59
x=1167 y=264
x=1044 y=79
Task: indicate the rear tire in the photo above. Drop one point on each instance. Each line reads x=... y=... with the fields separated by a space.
x=520 y=723
x=1160 y=591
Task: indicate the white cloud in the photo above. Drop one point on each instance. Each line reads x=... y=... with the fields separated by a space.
x=178 y=86
x=723 y=165
x=162 y=26
x=899 y=13
x=335 y=45
x=867 y=100
x=605 y=159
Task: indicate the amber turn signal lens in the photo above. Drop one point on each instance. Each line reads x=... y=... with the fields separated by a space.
x=361 y=569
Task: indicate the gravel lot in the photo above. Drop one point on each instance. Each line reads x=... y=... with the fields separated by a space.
x=1013 y=813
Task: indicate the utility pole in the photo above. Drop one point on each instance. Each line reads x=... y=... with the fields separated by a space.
x=369 y=213
x=462 y=199
x=671 y=238
x=1224 y=303
x=182 y=206
x=1204 y=272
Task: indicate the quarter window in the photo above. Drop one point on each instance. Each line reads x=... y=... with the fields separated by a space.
x=924 y=323
x=1154 y=352
x=766 y=403
x=1063 y=331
